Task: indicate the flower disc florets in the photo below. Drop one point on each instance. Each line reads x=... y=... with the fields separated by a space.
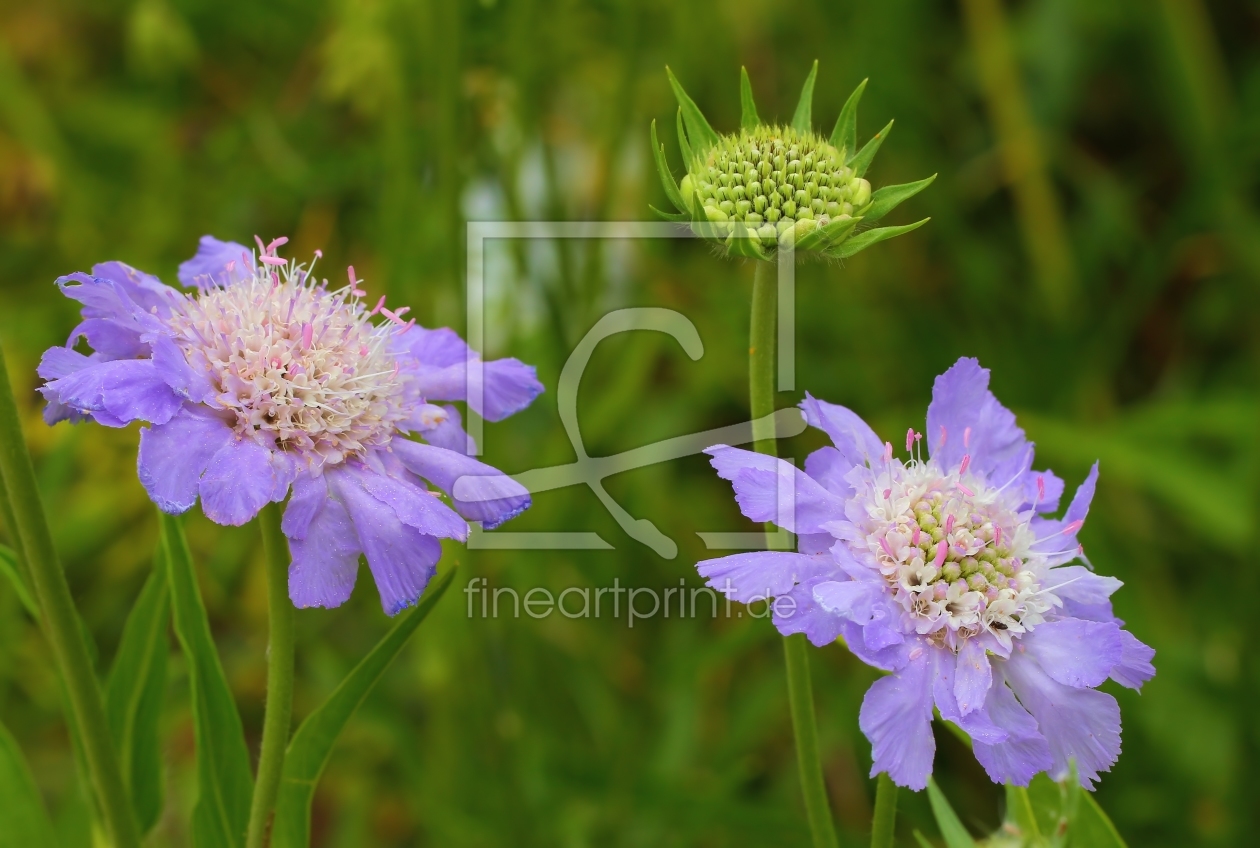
x=301 y=367
x=776 y=181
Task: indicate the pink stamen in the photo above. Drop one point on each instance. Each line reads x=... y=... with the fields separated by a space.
x=939 y=559
x=909 y=439
x=380 y=304
x=319 y=254
x=949 y=524
x=967 y=437
x=1041 y=488
x=966 y=460
x=308 y=335
x=997 y=536
x=277 y=242
x=966 y=491
x=1073 y=527
x=261 y=249
x=887 y=451
x=914 y=539
x=887 y=494
x=273 y=260
x=883 y=543
x=228 y=267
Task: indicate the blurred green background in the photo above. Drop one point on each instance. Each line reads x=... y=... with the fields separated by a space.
x=1094 y=240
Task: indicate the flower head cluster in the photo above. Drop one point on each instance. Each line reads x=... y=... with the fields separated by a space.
x=769 y=186
x=263 y=380
x=947 y=570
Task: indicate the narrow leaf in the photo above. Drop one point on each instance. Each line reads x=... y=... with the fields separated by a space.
x=224 y=781
x=748 y=119
x=742 y=242
x=9 y=569
x=135 y=692
x=862 y=160
x=922 y=840
x=676 y=217
x=1019 y=812
x=662 y=169
x=952 y=830
x=1092 y=827
x=832 y=234
x=844 y=136
x=684 y=146
x=861 y=241
x=698 y=129
x=888 y=198
x=313 y=743
x=24 y=821
x=803 y=116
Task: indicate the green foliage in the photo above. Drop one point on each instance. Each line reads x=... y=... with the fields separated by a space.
x=224 y=779
x=25 y=821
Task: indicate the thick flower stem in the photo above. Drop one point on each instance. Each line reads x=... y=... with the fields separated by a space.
x=800 y=690
x=279 y=711
x=885 y=822
x=61 y=622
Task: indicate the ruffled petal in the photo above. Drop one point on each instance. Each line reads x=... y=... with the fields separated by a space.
x=495 y=390
x=866 y=605
x=974 y=676
x=1075 y=652
x=401 y=558
x=116 y=326
x=183 y=379
x=1134 y=667
x=855 y=441
x=1057 y=539
x=116 y=392
x=965 y=418
x=944 y=684
x=58 y=362
x=323 y=543
x=174 y=455
x=769 y=489
x=144 y=290
x=798 y=610
x=441 y=426
x=896 y=717
x=1080 y=724
x=1025 y=753
x=829 y=467
x=757 y=575
x=217 y=263
x=478 y=491
x=411 y=504
x=240 y=480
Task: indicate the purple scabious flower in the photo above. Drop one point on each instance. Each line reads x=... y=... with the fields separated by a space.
x=948 y=571
x=262 y=380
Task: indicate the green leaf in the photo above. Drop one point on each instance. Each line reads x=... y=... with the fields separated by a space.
x=922 y=840
x=698 y=129
x=676 y=217
x=662 y=169
x=135 y=692
x=1091 y=828
x=844 y=136
x=1019 y=812
x=889 y=198
x=748 y=119
x=311 y=745
x=742 y=242
x=224 y=781
x=861 y=241
x=832 y=234
x=862 y=160
x=684 y=147
x=9 y=569
x=24 y=821
x=952 y=830
x=802 y=118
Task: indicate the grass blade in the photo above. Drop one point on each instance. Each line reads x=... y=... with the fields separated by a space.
x=311 y=745
x=25 y=820
x=224 y=781
x=748 y=118
x=952 y=830
x=804 y=113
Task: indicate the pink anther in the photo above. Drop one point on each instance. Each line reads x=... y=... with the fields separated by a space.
x=966 y=460
x=949 y=524
x=1041 y=487
x=887 y=451
x=887 y=494
x=967 y=437
x=939 y=559
x=1074 y=526
x=966 y=491
x=914 y=539
x=909 y=439
x=261 y=248
x=940 y=444
x=380 y=304
x=319 y=254
x=273 y=260
x=277 y=242
x=997 y=536
x=883 y=543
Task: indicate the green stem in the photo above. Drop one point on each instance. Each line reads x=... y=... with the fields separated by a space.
x=60 y=620
x=275 y=737
x=800 y=690
x=885 y=823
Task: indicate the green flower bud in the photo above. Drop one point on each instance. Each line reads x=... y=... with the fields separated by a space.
x=765 y=176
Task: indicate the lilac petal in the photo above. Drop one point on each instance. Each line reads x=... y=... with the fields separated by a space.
x=209 y=267
x=1075 y=652
x=896 y=717
x=849 y=599
x=436 y=348
x=974 y=676
x=759 y=480
x=1080 y=584
x=798 y=611
x=479 y=492
x=402 y=559
x=117 y=392
x=1134 y=667
x=145 y=290
x=305 y=502
x=239 y=482
x=115 y=325
x=855 y=441
x=174 y=455
x=58 y=362
x=442 y=426
x=326 y=557
x=413 y=505
x=963 y=405
x=944 y=684
x=495 y=390
x=757 y=575
x=186 y=382
x=1025 y=753
x=829 y=467
x=1060 y=537
x=1080 y=724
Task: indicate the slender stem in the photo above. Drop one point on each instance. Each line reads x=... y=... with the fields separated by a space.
x=275 y=737
x=800 y=690
x=61 y=622
x=885 y=823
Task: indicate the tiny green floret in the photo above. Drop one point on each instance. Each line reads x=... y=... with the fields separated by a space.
x=769 y=186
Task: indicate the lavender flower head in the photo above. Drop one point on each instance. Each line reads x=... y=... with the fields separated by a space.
x=263 y=380
x=948 y=571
